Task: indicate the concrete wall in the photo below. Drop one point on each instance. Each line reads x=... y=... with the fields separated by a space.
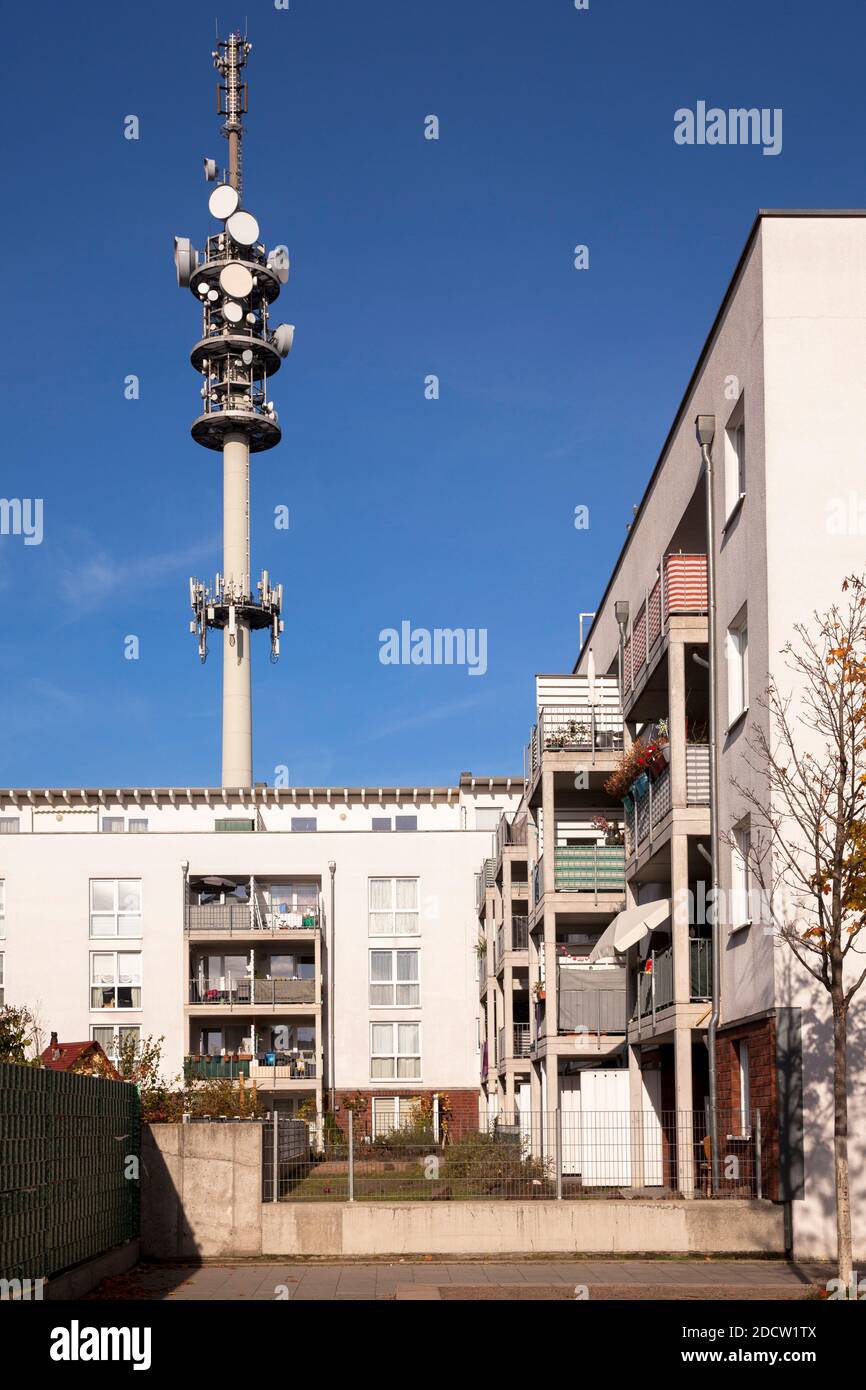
x=201 y=1198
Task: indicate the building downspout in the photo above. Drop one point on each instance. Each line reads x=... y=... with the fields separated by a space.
x=332 y=868
x=705 y=428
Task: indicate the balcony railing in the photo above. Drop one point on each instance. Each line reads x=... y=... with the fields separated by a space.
x=233 y=918
x=680 y=587
x=243 y=993
x=520 y=1039
x=519 y=933
x=597 y=1009
x=589 y=869
x=649 y=810
x=265 y=1066
x=656 y=985
x=577 y=727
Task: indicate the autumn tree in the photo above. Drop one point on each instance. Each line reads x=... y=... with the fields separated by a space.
x=808 y=820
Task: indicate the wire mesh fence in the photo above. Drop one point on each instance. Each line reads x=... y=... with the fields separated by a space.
x=558 y=1155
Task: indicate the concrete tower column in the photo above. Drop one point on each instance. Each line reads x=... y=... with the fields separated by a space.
x=237 y=732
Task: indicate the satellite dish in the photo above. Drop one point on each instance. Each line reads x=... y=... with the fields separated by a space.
x=251 y=318
x=247 y=357
x=232 y=313
x=212 y=296
x=185 y=260
x=202 y=288
x=210 y=170
x=278 y=262
x=235 y=280
x=284 y=336
x=223 y=201
x=242 y=227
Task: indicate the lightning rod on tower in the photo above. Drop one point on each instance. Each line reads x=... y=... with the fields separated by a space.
x=236 y=282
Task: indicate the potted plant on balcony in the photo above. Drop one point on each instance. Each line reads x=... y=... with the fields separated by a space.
x=627 y=770
x=612 y=833
x=539 y=991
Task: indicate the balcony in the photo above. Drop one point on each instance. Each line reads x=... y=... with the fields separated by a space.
x=591 y=1000
x=590 y=722
x=681 y=587
x=232 y=907
x=589 y=869
x=519 y=933
x=246 y=993
x=648 y=811
x=520 y=1043
x=264 y=1067
x=656 y=985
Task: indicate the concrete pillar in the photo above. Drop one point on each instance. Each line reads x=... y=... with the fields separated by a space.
x=677 y=720
x=549 y=827
x=680 y=917
x=635 y=1105
x=237 y=731
x=683 y=1094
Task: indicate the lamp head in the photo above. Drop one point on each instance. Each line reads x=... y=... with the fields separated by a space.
x=705 y=429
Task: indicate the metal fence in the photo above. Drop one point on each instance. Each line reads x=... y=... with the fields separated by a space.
x=560 y=1155
x=68 y=1187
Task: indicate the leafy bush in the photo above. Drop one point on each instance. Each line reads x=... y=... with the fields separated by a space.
x=495 y=1165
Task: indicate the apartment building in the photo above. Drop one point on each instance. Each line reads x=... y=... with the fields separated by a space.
x=503 y=970
x=782 y=374
x=250 y=929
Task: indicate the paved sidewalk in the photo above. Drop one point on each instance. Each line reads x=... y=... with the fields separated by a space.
x=482 y=1279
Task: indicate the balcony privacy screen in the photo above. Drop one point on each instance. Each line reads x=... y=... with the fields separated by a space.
x=591 y=1001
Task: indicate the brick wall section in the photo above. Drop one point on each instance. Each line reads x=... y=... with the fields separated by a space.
x=463 y=1106
x=760 y=1038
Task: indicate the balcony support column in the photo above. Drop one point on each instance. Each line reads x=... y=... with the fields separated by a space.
x=682 y=990
x=635 y=1104
x=677 y=719
x=684 y=1126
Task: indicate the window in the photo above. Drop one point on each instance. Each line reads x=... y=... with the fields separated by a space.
x=392 y=1112
x=381 y=822
x=137 y=825
x=745 y=1088
x=2 y=908
x=405 y=822
x=737 y=654
x=394 y=907
x=112 y=825
x=115 y=907
x=394 y=979
x=112 y=1039
x=395 y=1051
x=735 y=458
x=487 y=817
x=115 y=980
x=741 y=876
x=300 y=823
x=9 y=825
x=2 y=982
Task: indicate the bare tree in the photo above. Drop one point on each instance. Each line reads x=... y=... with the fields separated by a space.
x=808 y=806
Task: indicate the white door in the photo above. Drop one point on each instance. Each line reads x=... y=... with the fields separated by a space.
x=605 y=1133
x=524 y=1116
x=653 y=1170
x=569 y=1110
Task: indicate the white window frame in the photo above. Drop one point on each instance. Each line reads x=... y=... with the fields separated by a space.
x=393 y=1054
x=394 y=983
x=138 y=825
x=115 y=913
x=737 y=660
x=2 y=979
x=10 y=825
x=116 y=984
x=2 y=909
x=112 y=825
x=736 y=457
x=377 y=917
x=741 y=876
x=113 y=1052
x=398 y=1108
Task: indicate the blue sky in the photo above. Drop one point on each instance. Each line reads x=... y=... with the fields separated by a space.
x=409 y=257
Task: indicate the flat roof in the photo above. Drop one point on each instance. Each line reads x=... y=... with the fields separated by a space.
x=173 y=795
x=760 y=215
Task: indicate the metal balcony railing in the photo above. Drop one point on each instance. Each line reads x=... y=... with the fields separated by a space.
x=589 y=869
x=656 y=985
x=578 y=726
x=521 y=1039
x=264 y=1066
x=245 y=992
x=648 y=811
x=680 y=587
x=233 y=918
x=519 y=933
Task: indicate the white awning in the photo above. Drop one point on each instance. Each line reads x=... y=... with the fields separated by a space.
x=628 y=927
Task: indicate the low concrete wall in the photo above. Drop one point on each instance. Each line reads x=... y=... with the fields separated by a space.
x=201 y=1197
x=593 y=1227
x=80 y=1279
x=201 y=1191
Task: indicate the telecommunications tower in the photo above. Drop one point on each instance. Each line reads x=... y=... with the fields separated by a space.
x=236 y=281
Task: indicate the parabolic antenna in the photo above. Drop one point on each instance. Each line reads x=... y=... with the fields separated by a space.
x=242 y=227
x=212 y=296
x=278 y=262
x=185 y=260
x=233 y=313
x=284 y=336
x=223 y=201
x=247 y=357
x=210 y=169
x=235 y=280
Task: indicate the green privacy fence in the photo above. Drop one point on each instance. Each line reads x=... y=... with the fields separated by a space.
x=70 y=1149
